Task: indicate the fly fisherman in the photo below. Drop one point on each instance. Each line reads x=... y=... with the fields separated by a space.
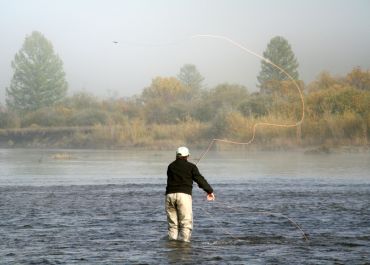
x=180 y=177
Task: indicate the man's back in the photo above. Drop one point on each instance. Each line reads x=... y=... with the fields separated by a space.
x=180 y=177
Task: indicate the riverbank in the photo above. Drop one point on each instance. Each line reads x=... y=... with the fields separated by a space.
x=105 y=137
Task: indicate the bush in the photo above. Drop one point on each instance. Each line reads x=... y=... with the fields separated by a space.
x=46 y=117
x=89 y=117
x=256 y=106
x=9 y=120
x=82 y=100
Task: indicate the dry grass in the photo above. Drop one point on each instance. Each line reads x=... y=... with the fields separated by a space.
x=62 y=156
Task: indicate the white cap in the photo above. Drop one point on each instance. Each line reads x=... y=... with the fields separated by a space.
x=182 y=151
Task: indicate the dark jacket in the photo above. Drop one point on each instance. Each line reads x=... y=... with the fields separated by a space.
x=180 y=176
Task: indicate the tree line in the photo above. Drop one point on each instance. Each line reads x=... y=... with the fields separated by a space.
x=181 y=110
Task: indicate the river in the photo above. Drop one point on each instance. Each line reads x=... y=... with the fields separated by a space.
x=106 y=207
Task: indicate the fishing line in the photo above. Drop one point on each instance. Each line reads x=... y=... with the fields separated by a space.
x=267 y=213
x=245 y=49
x=296 y=124
x=260 y=124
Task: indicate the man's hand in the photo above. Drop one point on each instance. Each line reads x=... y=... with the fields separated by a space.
x=211 y=197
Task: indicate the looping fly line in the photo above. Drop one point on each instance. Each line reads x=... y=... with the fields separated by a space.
x=260 y=124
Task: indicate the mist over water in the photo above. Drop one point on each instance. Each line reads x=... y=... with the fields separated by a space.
x=105 y=207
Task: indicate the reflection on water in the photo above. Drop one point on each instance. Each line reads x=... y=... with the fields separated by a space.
x=106 y=207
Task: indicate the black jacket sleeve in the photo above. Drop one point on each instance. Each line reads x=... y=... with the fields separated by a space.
x=200 y=180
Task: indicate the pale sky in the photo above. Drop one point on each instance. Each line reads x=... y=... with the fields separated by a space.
x=154 y=38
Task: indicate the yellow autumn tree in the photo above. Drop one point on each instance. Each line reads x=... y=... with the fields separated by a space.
x=166 y=89
x=359 y=79
x=165 y=100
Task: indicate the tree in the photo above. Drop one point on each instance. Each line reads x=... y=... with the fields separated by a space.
x=164 y=100
x=167 y=89
x=82 y=100
x=280 y=53
x=257 y=105
x=39 y=79
x=359 y=78
x=325 y=81
x=191 y=78
x=223 y=98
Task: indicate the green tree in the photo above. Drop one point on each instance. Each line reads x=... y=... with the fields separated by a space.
x=39 y=79
x=190 y=77
x=280 y=53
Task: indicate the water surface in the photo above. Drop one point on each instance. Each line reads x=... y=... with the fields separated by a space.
x=106 y=207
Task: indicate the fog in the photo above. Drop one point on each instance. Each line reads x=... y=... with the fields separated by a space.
x=153 y=39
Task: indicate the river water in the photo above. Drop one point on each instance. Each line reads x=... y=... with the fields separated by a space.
x=106 y=207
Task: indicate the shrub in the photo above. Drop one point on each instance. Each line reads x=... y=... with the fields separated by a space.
x=89 y=117
x=9 y=120
x=46 y=117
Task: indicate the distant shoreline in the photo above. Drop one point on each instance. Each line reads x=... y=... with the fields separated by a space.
x=89 y=137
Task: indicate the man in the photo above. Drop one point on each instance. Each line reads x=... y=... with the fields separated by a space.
x=180 y=177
